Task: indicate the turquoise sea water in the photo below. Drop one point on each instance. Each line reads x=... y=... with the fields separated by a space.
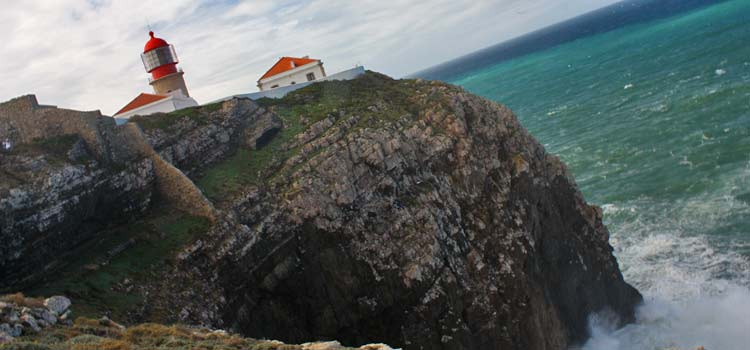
x=654 y=121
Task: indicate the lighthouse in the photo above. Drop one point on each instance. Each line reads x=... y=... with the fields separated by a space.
x=168 y=82
x=160 y=59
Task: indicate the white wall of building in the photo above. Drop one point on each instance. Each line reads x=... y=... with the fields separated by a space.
x=348 y=74
x=291 y=77
x=166 y=105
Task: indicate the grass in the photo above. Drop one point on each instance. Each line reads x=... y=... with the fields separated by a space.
x=250 y=167
x=164 y=121
x=300 y=109
x=103 y=264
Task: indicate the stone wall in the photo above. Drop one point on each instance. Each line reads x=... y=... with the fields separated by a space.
x=171 y=183
x=23 y=120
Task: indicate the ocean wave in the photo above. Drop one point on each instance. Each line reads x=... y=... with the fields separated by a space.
x=696 y=284
x=712 y=322
x=666 y=249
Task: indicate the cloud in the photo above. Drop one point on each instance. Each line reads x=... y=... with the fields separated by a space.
x=84 y=54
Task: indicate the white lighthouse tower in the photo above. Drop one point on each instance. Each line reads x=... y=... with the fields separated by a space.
x=170 y=91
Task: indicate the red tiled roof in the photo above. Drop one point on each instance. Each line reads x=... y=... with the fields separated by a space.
x=285 y=64
x=140 y=101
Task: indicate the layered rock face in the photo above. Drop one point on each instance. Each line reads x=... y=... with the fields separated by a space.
x=58 y=208
x=70 y=175
x=421 y=216
x=193 y=144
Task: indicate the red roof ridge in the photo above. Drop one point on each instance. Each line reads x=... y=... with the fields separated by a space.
x=140 y=101
x=294 y=62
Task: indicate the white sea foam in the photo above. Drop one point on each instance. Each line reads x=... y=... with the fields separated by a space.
x=696 y=287
x=714 y=322
x=721 y=72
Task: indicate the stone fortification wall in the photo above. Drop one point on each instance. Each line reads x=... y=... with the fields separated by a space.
x=23 y=120
x=171 y=183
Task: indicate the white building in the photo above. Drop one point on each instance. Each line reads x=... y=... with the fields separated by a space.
x=146 y=104
x=290 y=71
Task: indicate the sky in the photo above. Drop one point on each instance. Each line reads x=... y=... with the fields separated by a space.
x=85 y=54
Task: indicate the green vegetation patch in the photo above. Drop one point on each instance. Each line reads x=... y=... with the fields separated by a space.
x=164 y=121
x=373 y=97
x=94 y=278
x=249 y=167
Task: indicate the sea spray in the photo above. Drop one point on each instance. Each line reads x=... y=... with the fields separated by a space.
x=715 y=322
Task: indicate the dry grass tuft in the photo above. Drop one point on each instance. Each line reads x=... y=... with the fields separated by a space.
x=103 y=344
x=89 y=334
x=21 y=300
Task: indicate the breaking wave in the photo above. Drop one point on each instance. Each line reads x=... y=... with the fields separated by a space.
x=696 y=284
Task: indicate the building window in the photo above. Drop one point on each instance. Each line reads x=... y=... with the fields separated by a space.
x=310 y=76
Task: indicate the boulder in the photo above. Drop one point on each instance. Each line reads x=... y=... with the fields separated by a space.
x=331 y=345
x=30 y=323
x=49 y=317
x=12 y=317
x=376 y=347
x=57 y=304
x=16 y=330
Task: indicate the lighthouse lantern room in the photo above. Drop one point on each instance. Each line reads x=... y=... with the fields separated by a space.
x=159 y=57
x=170 y=91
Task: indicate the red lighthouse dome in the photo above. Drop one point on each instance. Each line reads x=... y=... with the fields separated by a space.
x=154 y=43
x=159 y=57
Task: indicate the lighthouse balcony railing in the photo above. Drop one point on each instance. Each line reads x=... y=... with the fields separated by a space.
x=179 y=70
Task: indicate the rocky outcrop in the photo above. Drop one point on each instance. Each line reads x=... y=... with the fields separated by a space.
x=70 y=175
x=49 y=206
x=24 y=316
x=204 y=136
x=419 y=215
x=66 y=176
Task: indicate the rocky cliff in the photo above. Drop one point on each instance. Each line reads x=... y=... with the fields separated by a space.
x=405 y=212
x=65 y=178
